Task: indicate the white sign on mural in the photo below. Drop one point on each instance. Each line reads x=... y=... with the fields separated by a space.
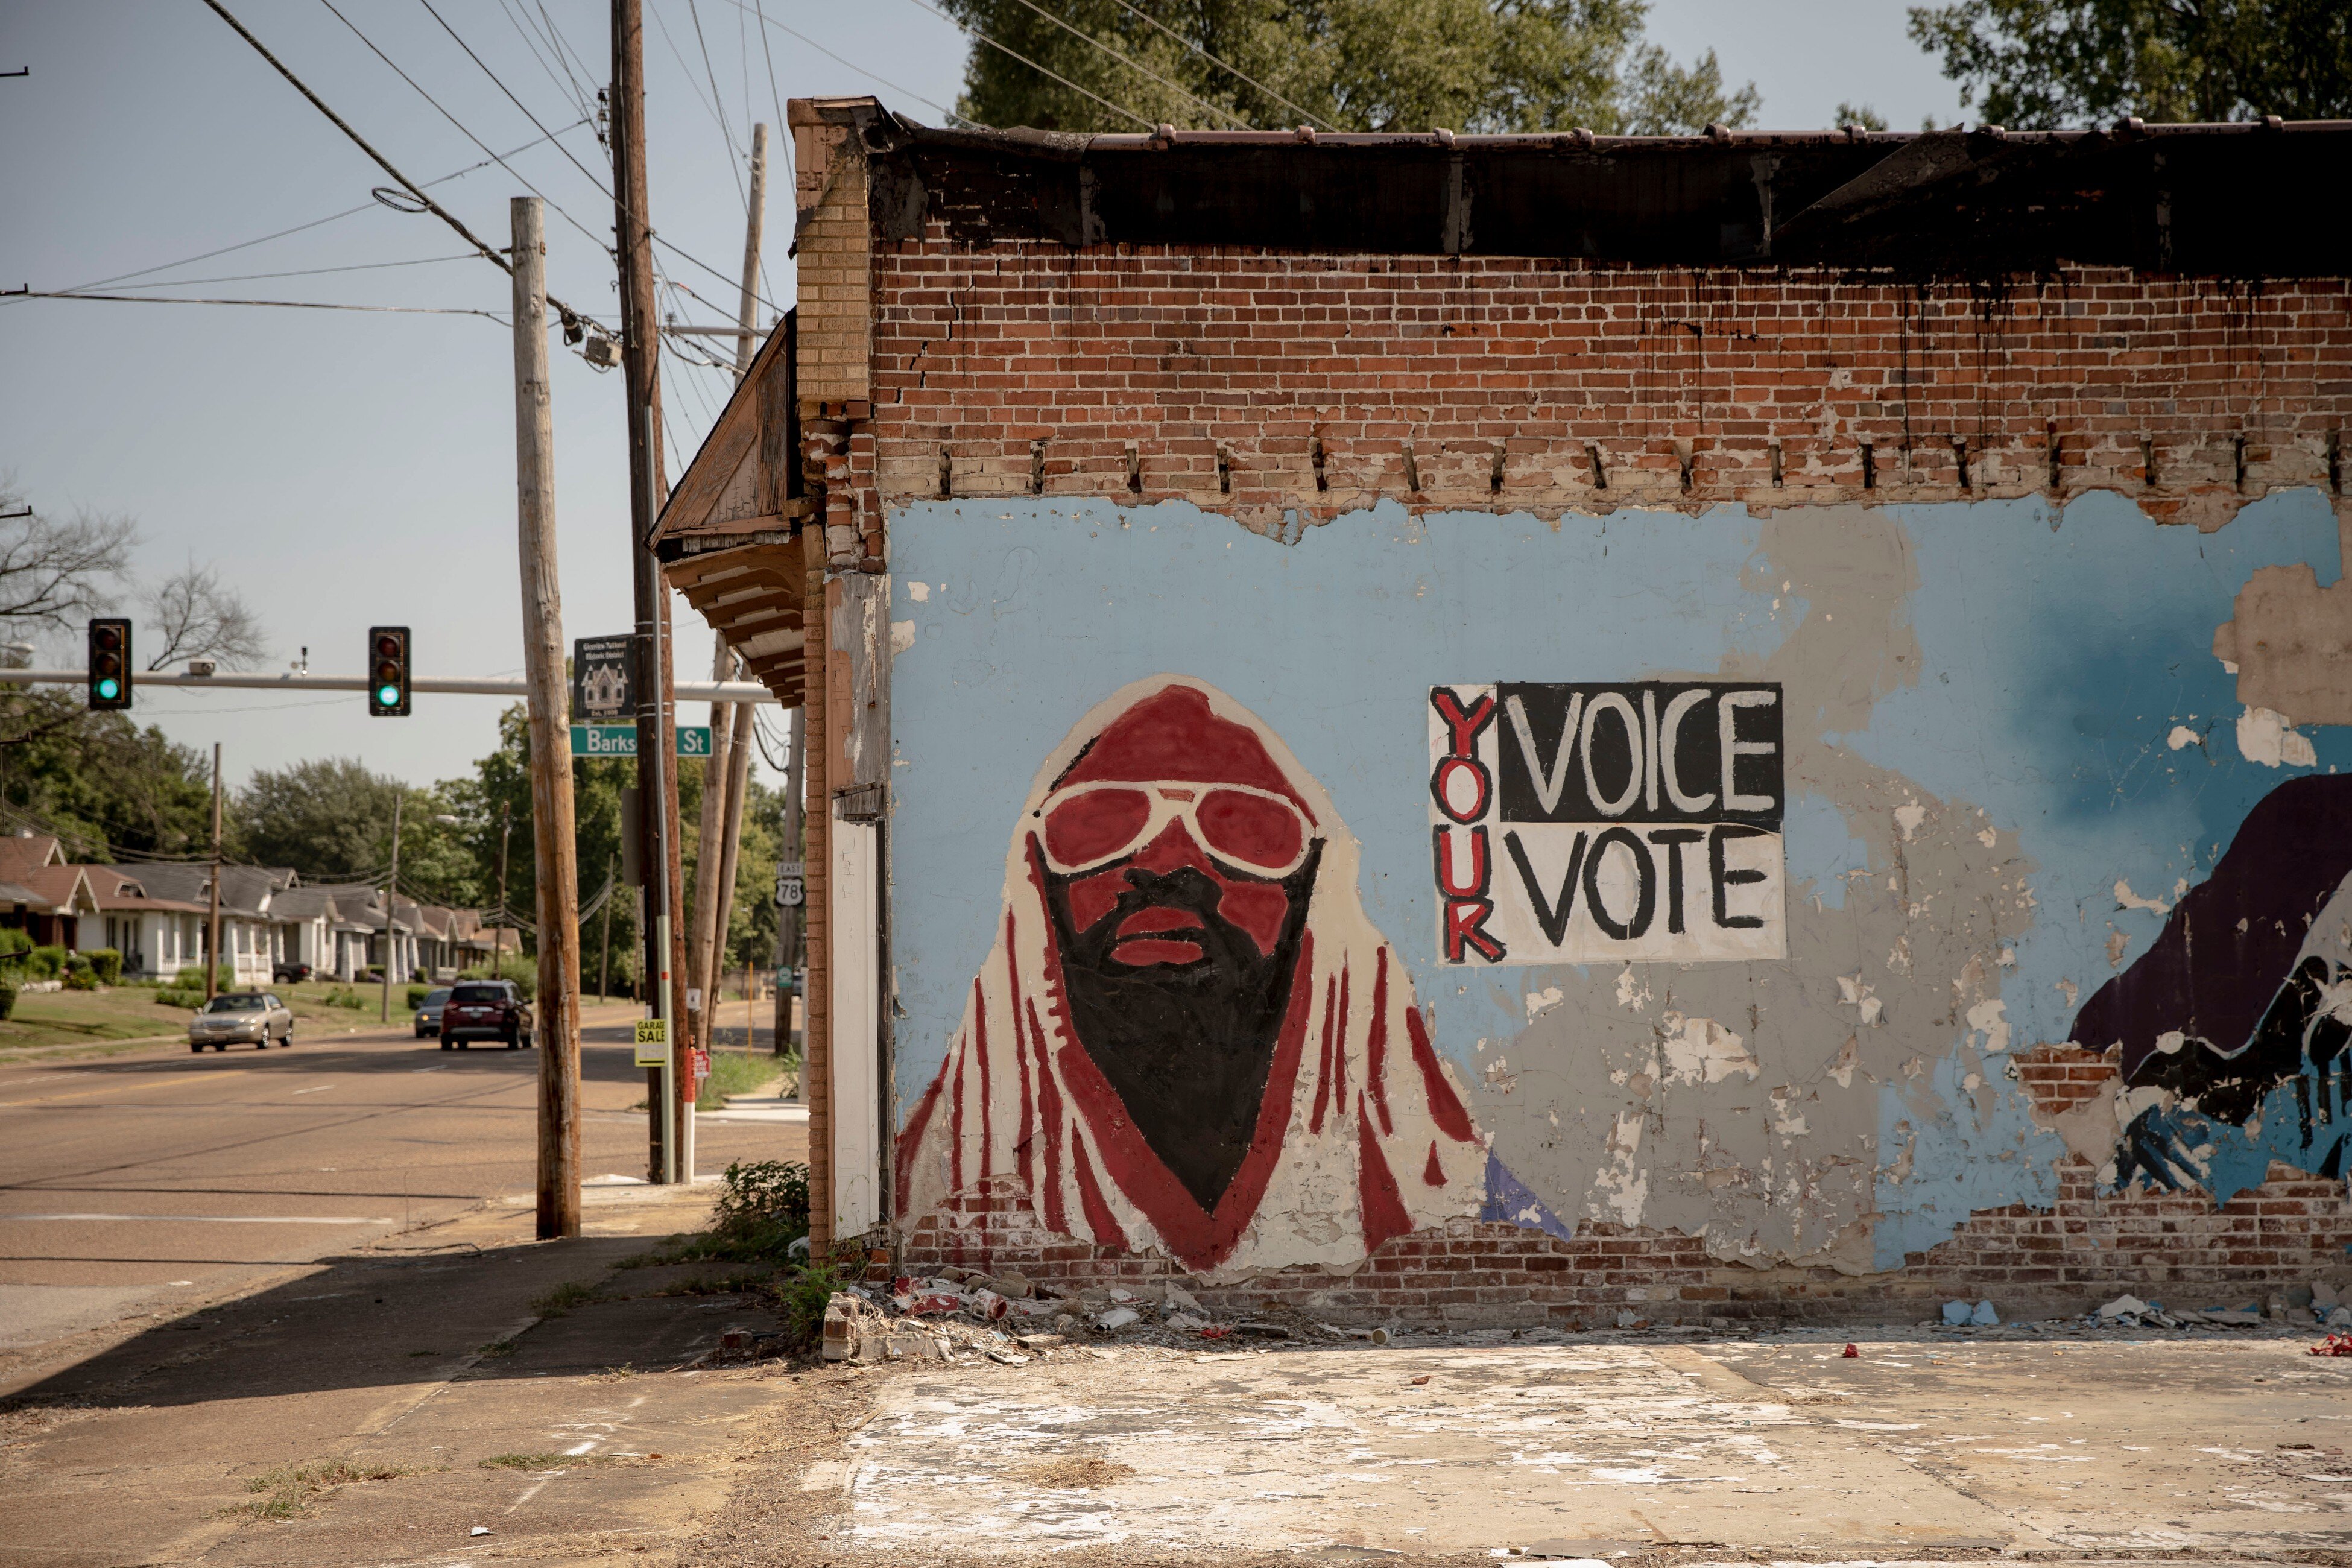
x=1599 y=822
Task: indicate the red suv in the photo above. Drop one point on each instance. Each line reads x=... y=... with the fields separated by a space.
x=486 y=1010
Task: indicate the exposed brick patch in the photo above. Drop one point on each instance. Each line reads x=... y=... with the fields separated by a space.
x=2029 y=1262
x=2059 y=1077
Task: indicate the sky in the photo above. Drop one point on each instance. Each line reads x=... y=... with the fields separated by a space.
x=344 y=469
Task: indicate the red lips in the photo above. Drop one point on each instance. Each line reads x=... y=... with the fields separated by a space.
x=1158 y=935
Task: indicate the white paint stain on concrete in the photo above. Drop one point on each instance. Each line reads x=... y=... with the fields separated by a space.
x=1700 y=1050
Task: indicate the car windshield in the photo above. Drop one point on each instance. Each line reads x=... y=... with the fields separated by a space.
x=244 y=1001
x=478 y=993
x=435 y=998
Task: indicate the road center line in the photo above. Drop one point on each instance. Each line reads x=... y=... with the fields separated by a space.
x=185 y=1077
x=204 y=1218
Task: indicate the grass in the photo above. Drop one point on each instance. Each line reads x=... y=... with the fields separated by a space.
x=737 y=1072
x=495 y=1348
x=565 y=1298
x=283 y=1493
x=123 y=1016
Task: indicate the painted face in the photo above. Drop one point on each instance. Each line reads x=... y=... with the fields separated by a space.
x=1175 y=822
x=1178 y=866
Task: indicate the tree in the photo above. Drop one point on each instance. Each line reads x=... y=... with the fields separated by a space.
x=1340 y=65
x=195 y=616
x=331 y=820
x=53 y=574
x=1860 y=114
x=102 y=785
x=2041 y=64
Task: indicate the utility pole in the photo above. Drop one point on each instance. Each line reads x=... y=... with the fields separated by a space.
x=212 y=928
x=556 y=873
x=392 y=892
x=604 y=963
x=498 y=932
x=738 y=770
x=640 y=361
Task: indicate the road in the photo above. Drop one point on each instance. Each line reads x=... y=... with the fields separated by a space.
x=144 y=1182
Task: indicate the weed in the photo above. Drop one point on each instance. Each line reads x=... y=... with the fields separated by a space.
x=497 y=1348
x=802 y=1298
x=564 y=1299
x=704 y=1285
x=762 y=1193
x=620 y=1373
x=424 y=1353
x=537 y=1461
x=284 y=1492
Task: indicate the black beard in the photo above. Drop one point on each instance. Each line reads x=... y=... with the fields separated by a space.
x=1187 y=1048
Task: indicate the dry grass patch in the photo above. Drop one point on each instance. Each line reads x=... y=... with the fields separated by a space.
x=1074 y=1474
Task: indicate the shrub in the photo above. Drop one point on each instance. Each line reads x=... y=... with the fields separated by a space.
x=107 y=962
x=82 y=979
x=46 y=961
x=416 y=995
x=7 y=1000
x=344 y=996
x=13 y=942
x=762 y=1194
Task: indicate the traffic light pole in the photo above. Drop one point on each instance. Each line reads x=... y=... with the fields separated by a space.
x=212 y=920
x=391 y=894
x=640 y=349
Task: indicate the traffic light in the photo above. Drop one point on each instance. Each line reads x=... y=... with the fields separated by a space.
x=110 y=664
x=388 y=672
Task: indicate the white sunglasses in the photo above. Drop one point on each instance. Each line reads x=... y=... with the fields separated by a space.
x=1257 y=831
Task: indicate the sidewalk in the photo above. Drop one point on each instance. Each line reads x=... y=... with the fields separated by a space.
x=2103 y=1447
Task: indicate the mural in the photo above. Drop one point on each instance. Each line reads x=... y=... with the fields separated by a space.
x=1730 y=859
x=2232 y=1027
x=1188 y=1035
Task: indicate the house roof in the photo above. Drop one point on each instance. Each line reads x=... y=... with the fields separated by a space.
x=118 y=893
x=23 y=852
x=246 y=891
x=65 y=890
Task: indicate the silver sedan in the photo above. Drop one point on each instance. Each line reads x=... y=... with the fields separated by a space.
x=244 y=1018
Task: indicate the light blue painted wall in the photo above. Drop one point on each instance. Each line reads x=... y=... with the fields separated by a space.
x=2059 y=652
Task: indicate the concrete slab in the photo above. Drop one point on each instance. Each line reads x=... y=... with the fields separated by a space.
x=1421 y=1452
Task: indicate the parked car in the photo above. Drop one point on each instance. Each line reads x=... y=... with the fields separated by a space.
x=241 y=1018
x=291 y=973
x=485 y=1010
x=428 y=1013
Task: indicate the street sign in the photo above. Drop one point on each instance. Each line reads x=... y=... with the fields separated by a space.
x=791 y=891
x=653 y=1042
x=621 y=739
x=600 y=679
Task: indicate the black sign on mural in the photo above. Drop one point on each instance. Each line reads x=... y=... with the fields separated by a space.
x=600 y=681
x=1654 y=750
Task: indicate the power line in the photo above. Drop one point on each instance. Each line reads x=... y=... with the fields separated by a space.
x=468 y=135
x=281 y=304
x=1033 y=65
x=719 y=102
x=600 y=188
x=496 y=258
x=1105 y=49
x=905 y=92
x=301 y=272
x=314 y=222
x=1213 y=60
x=567 y=83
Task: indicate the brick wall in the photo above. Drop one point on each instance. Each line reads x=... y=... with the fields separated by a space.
x=1286 y=390
x=2190 y=396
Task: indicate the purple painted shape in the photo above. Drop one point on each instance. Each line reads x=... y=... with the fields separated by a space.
x=1509 y=1200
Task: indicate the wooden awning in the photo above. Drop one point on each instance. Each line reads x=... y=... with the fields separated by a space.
x=729 y=537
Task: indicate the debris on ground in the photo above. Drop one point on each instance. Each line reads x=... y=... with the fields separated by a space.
x=2334 y=1344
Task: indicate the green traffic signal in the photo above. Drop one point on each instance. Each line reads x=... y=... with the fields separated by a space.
x=388 y=671
x=109 y=689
